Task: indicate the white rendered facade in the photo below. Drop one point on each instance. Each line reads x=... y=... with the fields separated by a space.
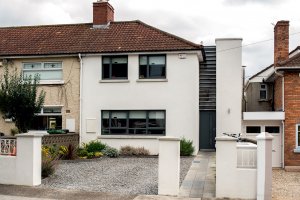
x=177 y=95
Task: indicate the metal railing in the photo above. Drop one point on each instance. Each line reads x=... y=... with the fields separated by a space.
x=8 y=146
x=246 y=155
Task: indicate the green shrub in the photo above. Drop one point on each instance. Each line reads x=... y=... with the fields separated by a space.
x=90 y=155
x=186 y=147
x=49 y=161
x=134 y=151
x=110 y=152
x=81 y=152
x=95 y=146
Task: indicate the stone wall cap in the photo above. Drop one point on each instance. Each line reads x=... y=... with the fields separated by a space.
x=264 y=136
x=168 y=138
x=127 y=137
x=226 y=138
x=33 y=134
x=228 y=39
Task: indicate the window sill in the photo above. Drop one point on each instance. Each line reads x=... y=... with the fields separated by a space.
x=128 y=137
x=8 y=120
x=297 y=150
x=114 y=81
x=152 y=80
x=52 y=82
x=263 y=100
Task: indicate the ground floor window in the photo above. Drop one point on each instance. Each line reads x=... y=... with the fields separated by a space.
x=298 y=136
x=272 y=129
x=135 y=122
x=48 y=118
x=253 y=129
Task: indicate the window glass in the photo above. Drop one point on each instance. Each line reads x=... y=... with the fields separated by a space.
x=133 y=122
x=46 y=71
x=152 y=66
x=157 y=60
x=157 y=71
x=143 y=60
x=263 y=94
x=156 y=119
x=52 y=110
x=118 y=119
x=298 y=136
x=46 y=122
x=137 y=119
x=253 y=129
x=52 y=65
x=115 y=67
x=32 y=66
x=272 y=129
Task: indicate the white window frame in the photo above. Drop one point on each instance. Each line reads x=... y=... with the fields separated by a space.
x=54 y=81
x=263 y=89
x=297 y=149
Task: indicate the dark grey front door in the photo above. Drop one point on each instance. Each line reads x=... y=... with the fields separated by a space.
x=207 y=130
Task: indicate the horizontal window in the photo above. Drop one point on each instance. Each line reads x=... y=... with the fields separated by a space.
x=50 y=110
x=115 y=67
x=46 y=70
x=253 y=129
x=152 y=67
x=272 y=129
x=137 y=122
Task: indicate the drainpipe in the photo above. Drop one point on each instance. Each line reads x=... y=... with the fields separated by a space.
x=80 y=98
x=282 y=135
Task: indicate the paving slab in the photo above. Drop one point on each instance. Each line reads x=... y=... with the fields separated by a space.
x=200 y=180
x=157 y=197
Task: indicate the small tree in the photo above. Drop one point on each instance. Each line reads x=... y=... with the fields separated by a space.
x=19 y=100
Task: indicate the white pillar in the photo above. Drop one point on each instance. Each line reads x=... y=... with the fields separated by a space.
x=168 y=166
x=229 y=85
x=264 y=166
x=226 y=162
x=29 y=159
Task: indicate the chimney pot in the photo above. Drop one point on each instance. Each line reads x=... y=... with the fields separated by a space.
x=281 y=42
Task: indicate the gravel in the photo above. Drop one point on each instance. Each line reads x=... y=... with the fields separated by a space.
x=285 y=185
x=112 y=175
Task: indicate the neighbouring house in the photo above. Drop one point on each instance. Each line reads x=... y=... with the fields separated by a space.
x=273 y=101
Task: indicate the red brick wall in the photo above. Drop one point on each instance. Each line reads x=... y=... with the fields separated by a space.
x=281 y=41
x=292 y=117
x=278 y=94
x=103 y=13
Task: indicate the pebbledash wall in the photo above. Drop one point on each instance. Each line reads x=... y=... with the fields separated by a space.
x=177 y=95
x=64 y=94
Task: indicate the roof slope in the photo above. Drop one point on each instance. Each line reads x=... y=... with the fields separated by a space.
x=131 y=36
x=291 y=62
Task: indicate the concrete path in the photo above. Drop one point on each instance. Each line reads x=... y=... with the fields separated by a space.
x=200 y=181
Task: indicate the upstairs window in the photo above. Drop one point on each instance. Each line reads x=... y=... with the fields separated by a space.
x=298 y=138
x=152 y=67
x=263 y=92
x=47 y=71
x=114 y=67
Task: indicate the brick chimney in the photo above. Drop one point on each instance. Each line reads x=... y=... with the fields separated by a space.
x=281 y=41
x=103 y=13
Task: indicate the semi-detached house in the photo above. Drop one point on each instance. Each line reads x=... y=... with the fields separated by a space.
x=127 y=83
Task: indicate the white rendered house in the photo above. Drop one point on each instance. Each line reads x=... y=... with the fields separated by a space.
x=143 y=85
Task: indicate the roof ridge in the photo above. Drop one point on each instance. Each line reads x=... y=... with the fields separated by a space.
x=44 y=25
x=170 y=35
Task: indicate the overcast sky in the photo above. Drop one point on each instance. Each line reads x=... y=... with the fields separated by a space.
x=195 y=20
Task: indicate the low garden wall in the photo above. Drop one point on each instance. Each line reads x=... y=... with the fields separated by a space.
x=61 y=139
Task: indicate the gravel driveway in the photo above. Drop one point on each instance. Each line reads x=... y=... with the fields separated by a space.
x=112 y=175
x=285 y=185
